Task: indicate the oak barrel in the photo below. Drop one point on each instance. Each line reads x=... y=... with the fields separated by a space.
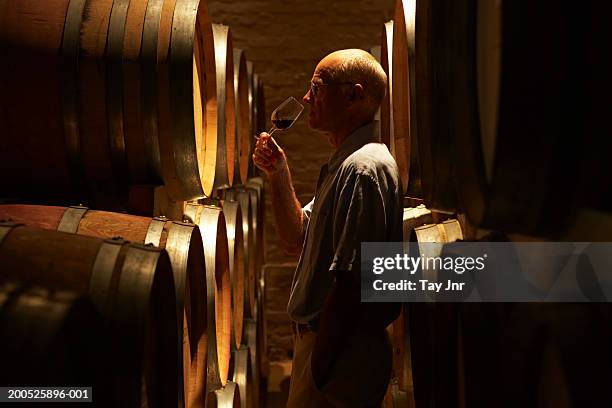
x=226 y=107
x=211 y=221
x=184 y=245
x=404 y=97
x=130 y=285
x=241 y=195
x=238 y=268
x=432 y=95
x=242 y=152
x=243 y=376
x=387 y=133
x=432 y=327
x=122 y=98
x=53 y=338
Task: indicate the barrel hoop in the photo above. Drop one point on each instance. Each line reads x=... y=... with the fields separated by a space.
x=177 y=245
x=71 y=219
x=148 y=56
x=102 y=275
x=114 y=90
x=154 y=232
x=6 y=227
x=69 y=86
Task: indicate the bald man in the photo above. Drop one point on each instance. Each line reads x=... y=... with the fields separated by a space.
x=342 y=356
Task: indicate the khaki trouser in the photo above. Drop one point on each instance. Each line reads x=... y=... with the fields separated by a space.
x=358 y=379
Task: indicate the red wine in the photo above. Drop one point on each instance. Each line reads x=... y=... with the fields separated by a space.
x=282 y=123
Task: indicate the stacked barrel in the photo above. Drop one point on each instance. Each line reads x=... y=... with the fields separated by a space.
x=131 y=217
x=498 y=134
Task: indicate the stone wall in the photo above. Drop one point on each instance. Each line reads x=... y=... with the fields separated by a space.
x=285 y=39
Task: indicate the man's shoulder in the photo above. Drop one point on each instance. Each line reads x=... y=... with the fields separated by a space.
x=371 y=159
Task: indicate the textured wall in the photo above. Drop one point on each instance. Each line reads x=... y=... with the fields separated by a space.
x=285 y=39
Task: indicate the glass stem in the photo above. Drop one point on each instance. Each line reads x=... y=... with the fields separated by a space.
x=274 y=129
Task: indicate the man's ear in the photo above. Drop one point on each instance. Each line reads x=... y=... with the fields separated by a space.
x=356 y=93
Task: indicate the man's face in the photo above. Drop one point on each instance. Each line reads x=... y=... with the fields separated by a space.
x=327 y=102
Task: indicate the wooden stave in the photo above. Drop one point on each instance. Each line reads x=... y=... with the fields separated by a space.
x=386 y=107
x=211 y=221
x=404 y=99
x=243 y=375
x=242 y=152
x=104 y=183
x=64 y=342
x=135 y=261
x=226 y=115
x=238 y=265
x=183 y=243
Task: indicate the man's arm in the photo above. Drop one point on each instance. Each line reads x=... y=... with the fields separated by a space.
x=288 y=216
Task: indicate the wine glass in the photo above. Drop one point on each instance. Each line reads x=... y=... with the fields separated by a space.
x=285 y=115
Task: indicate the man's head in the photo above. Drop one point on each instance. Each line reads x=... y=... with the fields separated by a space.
x=347 y=89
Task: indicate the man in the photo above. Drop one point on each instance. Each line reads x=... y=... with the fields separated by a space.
x=342 y=356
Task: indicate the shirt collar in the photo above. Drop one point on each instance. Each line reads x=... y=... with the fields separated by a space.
x=369 y=133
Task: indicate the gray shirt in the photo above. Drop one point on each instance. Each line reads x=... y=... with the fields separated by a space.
x=358 y=199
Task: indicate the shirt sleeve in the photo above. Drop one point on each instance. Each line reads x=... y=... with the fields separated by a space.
x=359 y=216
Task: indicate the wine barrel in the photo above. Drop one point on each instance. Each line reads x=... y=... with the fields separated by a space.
x=227 y=397
x=211 y=221
x=432 y=327
x=244 y=198
x=243 y=376
x=387 y=133
x=255 y=187
x=242 y=153
x=498 y=105
x=261 y=104
x=130 y=286
x=533 y=354
x=431 y=108
x=184 y=245
x=254 y=344
x=404 y=97
x=122 y=97
x=226 y=107
x=186 y=96
x=413 y=217
x=237 y=266
x=252 y=113
x=53 y=338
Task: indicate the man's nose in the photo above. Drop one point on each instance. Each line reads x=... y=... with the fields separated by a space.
x=307 y=98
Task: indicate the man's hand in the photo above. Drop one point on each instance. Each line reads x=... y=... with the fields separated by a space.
x=269 y=156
